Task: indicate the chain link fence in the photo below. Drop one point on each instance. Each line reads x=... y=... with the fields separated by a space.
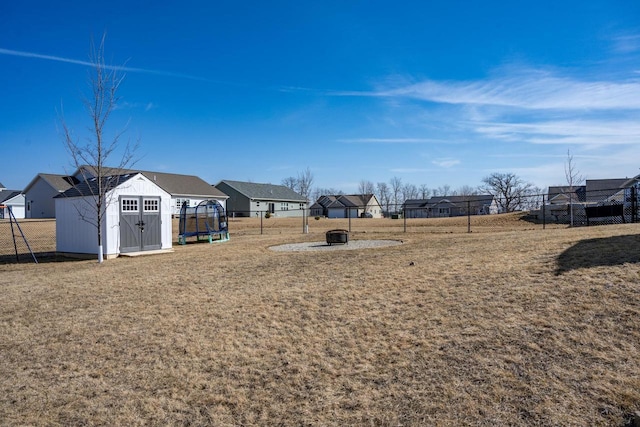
x=26 y=240
x=443 y=214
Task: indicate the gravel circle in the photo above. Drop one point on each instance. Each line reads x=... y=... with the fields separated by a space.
x=323 y=246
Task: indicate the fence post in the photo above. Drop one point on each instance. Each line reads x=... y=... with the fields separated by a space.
x=349 y=215
x=544 y=213
x=304 y=229
x=634 y=204
x=404 y=218
x=468 y=216
x=261 y=215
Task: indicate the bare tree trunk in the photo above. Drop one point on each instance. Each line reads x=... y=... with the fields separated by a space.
x=573 y=178
x=90 y=159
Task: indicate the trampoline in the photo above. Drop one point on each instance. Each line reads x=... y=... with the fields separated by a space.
x=206 y=220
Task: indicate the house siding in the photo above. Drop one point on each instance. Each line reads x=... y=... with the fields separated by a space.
x=39 y=200
x=176 y=202
x=240 y=205
x=16 y=204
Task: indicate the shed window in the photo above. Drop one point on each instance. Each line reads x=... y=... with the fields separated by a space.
x=129 y=205
x=151 y=205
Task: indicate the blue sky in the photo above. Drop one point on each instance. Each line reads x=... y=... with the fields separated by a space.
x=435 y=93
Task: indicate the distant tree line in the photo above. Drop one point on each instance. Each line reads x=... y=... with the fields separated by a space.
x=512 y=193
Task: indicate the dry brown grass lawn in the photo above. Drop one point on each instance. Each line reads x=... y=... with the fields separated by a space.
x=516 y=327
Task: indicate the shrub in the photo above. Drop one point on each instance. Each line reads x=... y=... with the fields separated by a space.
x=267 y=215
x=317 y=218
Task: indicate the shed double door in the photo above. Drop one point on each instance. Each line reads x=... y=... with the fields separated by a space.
x=140 y=224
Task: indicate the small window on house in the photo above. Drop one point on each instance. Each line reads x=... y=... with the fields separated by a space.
x=284 y=206
x=258 y=203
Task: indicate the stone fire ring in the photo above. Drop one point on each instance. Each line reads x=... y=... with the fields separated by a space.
x=323 y=246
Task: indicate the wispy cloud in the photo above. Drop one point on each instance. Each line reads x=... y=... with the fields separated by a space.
x=519 y=105
x=146 y=106
x=566 y=132
x=390 y=140
x=531 y=93
x=90 y=64
x=409 y=170
x=446 y=163
x=526 y=89
x=626 y=43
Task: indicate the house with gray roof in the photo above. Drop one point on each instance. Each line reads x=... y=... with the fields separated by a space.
x=11 y=199
x=39 y=194
x=250 y=199
x=448 y=206
x=347 y=206
x=595 y=192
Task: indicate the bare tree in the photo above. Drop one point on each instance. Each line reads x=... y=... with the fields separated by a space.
x=291 y=182
x=574 y=178
x=301 y=183
x=508 y=189
x=305 y=181
x=396 y=190
x=444 y=190
x=533 y=199
x=424 y=191
x=409 y=191
x=318 y=192
x=98 y=150
x=467 y=190
x=384 y=195
x=365 y=188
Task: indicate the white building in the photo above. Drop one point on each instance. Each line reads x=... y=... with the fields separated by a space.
x=137 y=217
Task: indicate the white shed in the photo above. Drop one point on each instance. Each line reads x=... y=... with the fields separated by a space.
x=137 y=217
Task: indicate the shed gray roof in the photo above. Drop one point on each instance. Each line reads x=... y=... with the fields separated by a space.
x=264 y=191
x=172 y=183
x=90 y=187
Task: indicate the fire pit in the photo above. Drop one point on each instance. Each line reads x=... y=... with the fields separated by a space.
x=337 y=236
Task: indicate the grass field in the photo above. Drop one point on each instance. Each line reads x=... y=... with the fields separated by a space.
x=517 y=326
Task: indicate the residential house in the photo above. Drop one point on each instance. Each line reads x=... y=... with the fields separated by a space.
x=347 y=206
x=562 y=201
x=11 y=200
x=595 y=192
x=449 y=206
x=39 y=194
x=252 y=199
